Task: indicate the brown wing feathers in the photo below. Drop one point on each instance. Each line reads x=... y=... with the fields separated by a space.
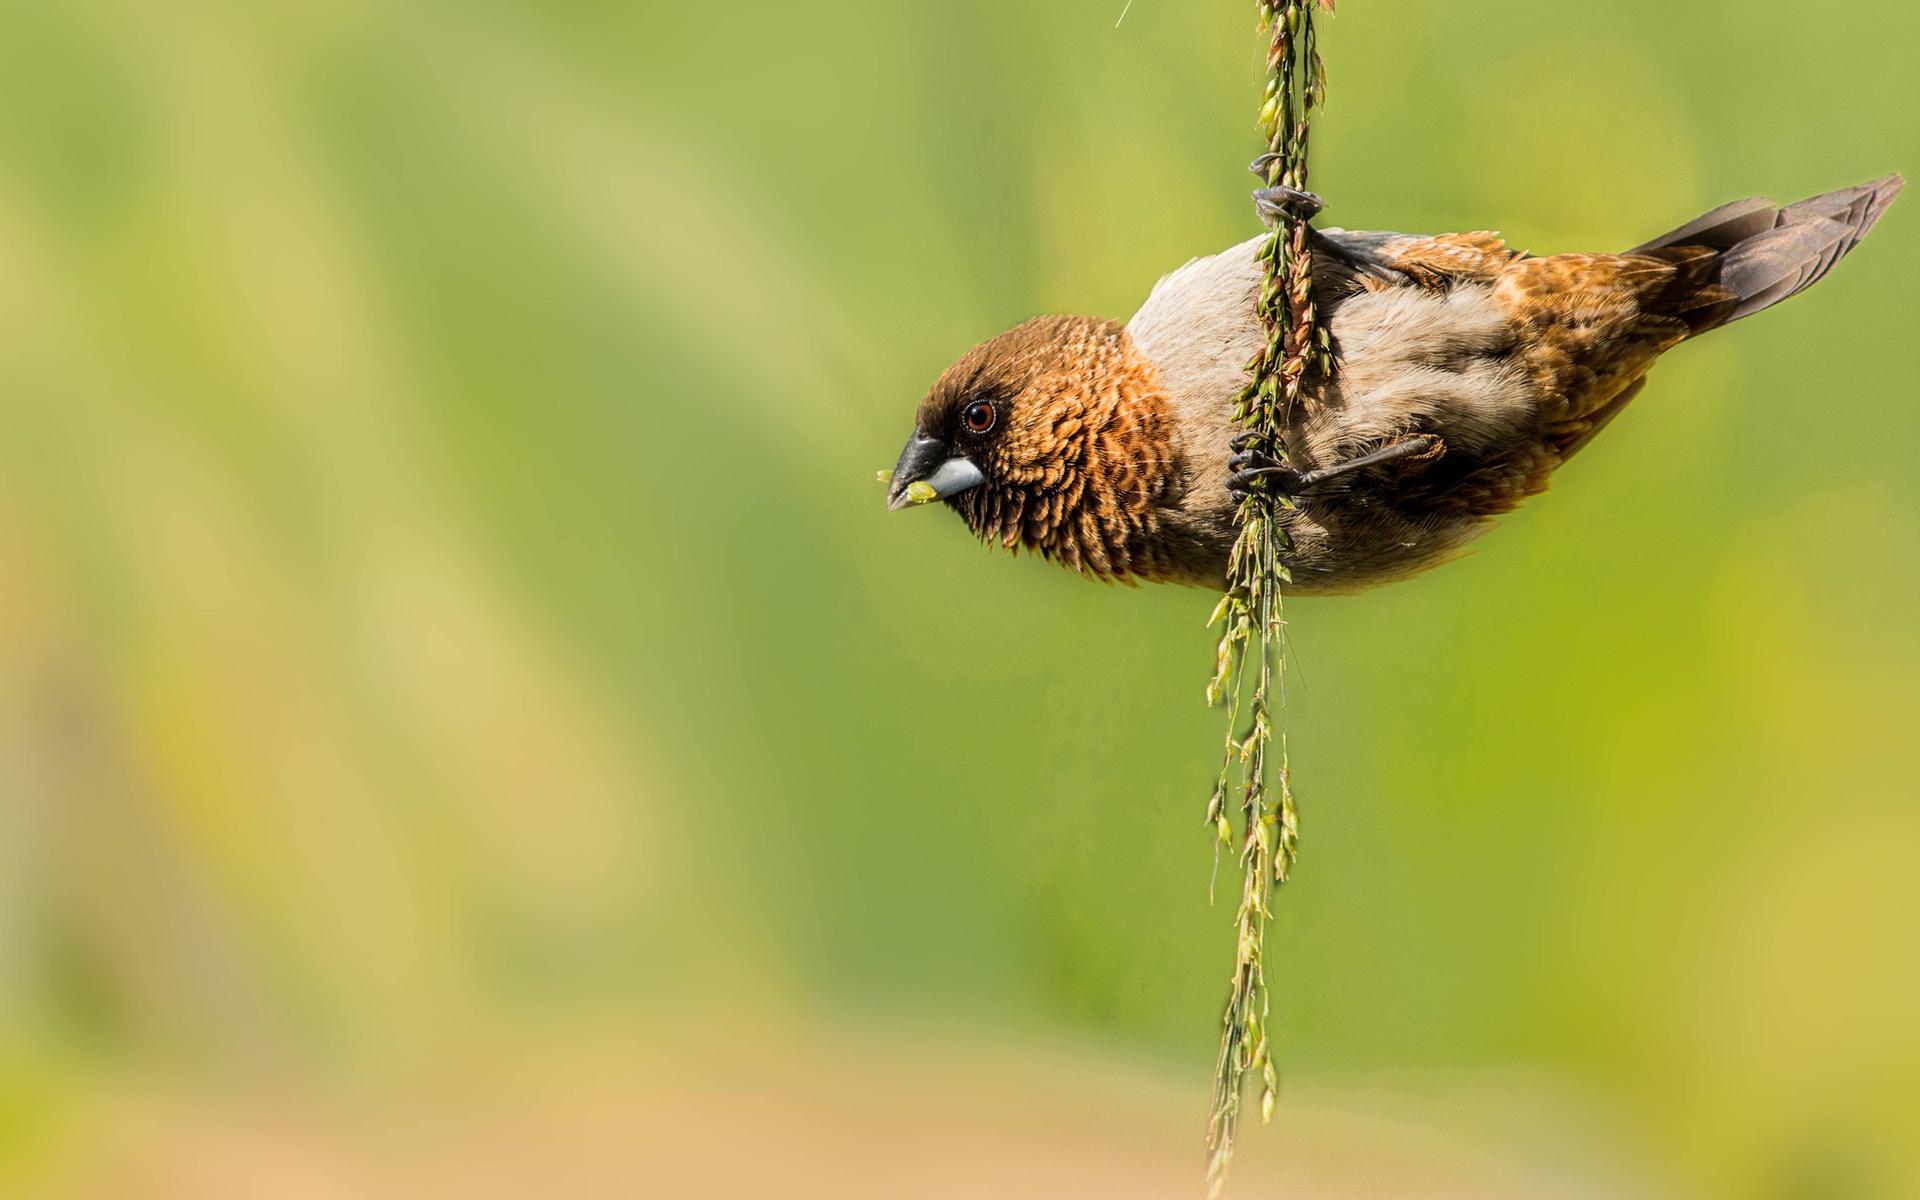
x=1590 y=325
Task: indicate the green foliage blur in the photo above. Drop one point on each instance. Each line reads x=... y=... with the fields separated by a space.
x=445 y=603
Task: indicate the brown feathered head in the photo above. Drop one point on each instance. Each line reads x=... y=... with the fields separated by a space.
x=1053 y=436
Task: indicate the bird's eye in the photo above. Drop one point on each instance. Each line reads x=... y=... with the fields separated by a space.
x=979 y=416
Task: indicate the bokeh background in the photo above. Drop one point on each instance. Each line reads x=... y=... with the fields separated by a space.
x=467 y=726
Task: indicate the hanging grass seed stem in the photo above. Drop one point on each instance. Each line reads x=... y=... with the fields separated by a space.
x=1253 y=781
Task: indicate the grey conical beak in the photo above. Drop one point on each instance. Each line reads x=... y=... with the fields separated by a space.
x=929 y=470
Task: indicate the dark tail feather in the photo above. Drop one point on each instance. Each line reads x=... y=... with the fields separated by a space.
x=1768 y=253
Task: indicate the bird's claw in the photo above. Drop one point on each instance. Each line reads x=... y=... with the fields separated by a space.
x=1240 y=441
x=1250 y=458
x=1279 y=201
x=1241 y=482
x=1248 y=465
x=1263 y=166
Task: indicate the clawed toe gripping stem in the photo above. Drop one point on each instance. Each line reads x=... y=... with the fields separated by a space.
x=1277 y=201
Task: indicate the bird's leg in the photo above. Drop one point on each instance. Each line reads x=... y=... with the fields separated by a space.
x=1416 y=447
x=1247 y=466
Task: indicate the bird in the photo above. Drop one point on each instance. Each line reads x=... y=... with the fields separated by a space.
x=1463 y=374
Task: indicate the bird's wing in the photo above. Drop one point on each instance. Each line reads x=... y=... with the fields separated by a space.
x=1586 y=327
x=1590 y=325
x=1514 y=361
x=1346 y=261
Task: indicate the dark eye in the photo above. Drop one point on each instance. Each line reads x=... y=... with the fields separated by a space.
x=979 y=416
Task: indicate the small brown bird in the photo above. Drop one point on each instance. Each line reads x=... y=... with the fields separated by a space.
x=1464 y=373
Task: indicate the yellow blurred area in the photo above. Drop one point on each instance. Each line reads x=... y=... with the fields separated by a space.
x=467 y=727
x=826 y=1118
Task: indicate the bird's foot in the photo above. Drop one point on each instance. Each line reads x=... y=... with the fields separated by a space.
x=1280 y=201
x=1248 y=465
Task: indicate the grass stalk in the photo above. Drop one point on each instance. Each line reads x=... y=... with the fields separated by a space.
x=1252 y=805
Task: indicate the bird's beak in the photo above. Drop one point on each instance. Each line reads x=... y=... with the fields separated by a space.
x=929 y=470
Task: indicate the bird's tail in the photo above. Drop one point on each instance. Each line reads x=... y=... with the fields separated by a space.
x=1767 y=253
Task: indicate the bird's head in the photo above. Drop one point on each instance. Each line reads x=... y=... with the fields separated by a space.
x=1054 y=436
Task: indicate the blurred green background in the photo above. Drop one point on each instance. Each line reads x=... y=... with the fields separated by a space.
x=467 y=725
